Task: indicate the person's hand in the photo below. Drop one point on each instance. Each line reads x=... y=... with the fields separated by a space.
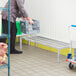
x=29 y=19
x=23 y=18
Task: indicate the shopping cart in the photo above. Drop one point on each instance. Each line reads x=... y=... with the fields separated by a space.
x=70 y=59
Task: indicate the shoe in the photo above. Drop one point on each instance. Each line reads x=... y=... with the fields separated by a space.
x=16 y=52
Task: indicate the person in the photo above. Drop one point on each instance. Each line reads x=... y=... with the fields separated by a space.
x=16 y=10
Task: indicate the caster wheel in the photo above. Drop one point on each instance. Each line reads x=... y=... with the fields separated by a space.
x=71 y=66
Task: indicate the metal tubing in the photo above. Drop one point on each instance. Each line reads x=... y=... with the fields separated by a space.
x=8 y=37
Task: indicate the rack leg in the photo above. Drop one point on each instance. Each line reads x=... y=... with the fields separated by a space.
x=35 y=40
x=58 y=55
x=17 y=39
x=70 y=50
x=29 y=41
x=8 y=37
x=20 y=43
x=36 y=44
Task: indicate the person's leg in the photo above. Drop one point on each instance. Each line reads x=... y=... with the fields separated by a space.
x=5 y=30
x=13 y=38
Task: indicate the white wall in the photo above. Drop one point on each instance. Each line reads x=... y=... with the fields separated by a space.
x=54 y=16
x=2 y=3
x=65 y=14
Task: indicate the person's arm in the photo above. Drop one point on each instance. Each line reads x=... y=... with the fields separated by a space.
x=19 y=15
x=21 y=8
x=23 y=11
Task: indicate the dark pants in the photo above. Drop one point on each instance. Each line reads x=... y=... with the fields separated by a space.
x=13 y=31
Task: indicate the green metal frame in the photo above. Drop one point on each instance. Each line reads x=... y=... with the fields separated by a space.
x=7 y=36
